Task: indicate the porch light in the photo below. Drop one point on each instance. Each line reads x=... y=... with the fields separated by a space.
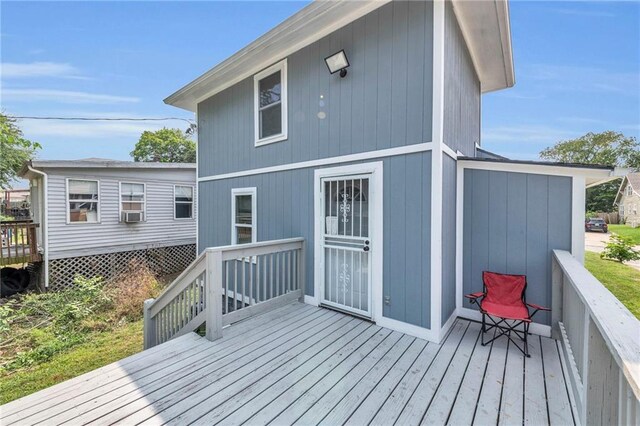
x=337 y=62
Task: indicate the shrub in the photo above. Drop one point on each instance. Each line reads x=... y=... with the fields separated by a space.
x=130 y=289
x=620 y=249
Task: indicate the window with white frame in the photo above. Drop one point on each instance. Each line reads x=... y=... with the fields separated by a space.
x=243 y=216
x=183 y=201
x=132 y=197
x=82 y=201
x=270 y=104
x=629 y=190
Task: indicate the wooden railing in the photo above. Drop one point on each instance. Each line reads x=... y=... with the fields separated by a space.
x=225 y=285
x=19 y=242
x=601 y=342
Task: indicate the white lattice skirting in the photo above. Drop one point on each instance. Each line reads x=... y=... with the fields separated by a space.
x=160 y=260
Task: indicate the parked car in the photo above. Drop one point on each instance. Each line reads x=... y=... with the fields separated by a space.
x=596 y=225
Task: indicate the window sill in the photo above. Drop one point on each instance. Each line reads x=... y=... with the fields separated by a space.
x=271 y=139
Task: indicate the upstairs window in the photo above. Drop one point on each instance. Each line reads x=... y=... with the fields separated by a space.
x=243 y=208
x=132 y=197
x=183 y=202
x=629 y=190
x=82 y=201
x=270 y=103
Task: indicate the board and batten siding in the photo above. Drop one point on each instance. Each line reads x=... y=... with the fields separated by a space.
x=285 y=209
x=384 y=101
x=512 y=222
x=110 y=235
x=461 y=90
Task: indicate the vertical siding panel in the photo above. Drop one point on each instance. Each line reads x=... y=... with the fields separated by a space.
x=448 y=238
x=469 y=285
x=358 y=89
x=335 y=113
x=426 y=240
x=325 y=101
x=480 y=224
x=412 y=235
x=516 y=223
x=497 y=221
x=396 y=239
x=537 y=243
x=371 y=80
x=428 y=75
x=415 y=72
x=399 y=73
x=385 y=51
x=346 y=92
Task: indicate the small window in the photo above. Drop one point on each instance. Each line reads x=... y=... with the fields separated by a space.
x=82 y=201
x=270 y=88
x=132 y=197
x=629 y=190
x=183 y=202
x=243 y=210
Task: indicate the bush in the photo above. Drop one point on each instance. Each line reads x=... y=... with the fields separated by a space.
x=620 y=249
x=130 y=289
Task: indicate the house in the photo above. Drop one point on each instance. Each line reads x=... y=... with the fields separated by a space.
x=14 y=202
x=628 y=200
x=95 y=215
x=344 y=213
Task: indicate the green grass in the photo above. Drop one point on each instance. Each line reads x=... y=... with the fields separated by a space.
x=627 y=231
x=621 y=280
x=101 y=349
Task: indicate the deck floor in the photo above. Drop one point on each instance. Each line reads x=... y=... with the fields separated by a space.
x=305 y=365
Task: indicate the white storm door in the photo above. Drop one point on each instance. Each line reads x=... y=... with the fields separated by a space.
x=346 y=243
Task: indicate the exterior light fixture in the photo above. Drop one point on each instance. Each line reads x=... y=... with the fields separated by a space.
x=337 y=62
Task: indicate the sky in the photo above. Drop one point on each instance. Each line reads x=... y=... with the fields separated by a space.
x=577 y=68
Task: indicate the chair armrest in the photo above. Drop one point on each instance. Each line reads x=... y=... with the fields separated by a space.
x=537 y=307
x=474 y=295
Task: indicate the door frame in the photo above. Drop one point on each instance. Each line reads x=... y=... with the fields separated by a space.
x=375 y=221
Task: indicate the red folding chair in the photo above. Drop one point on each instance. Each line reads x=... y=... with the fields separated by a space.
x=503 y=298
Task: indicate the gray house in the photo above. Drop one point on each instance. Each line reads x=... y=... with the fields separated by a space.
x=356 y=126
x=95 y=215
x=628 y=200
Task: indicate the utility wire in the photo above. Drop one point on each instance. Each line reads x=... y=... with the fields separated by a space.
x=100 y=118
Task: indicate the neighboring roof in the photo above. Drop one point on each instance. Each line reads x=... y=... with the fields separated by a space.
x=632 y=179
x=101 y=163
x=539 y=163
x=488 y=154
x=485 y=25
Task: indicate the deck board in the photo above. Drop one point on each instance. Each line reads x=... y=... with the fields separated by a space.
x=305 y=365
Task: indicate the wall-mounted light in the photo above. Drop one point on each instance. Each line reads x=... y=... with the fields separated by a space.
x=337 y=62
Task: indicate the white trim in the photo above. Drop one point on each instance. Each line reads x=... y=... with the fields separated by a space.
x=450 y=152
x=540 y=169
x=311 y=300
x=448 y=324
x=45 y=233
x=278 y=67
x=193 y=206
x=535 y=328
x=67 y=201
x=235 y=192
x=144 y=199
x=406 y=328
x=197 y=188
x=578 y=213
x=437 y=167
x=459 y=234
x=376 y=231
x=369 y=155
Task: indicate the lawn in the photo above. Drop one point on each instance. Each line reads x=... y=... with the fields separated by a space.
x=101 y=349
x=627 y=231
x=621 y=280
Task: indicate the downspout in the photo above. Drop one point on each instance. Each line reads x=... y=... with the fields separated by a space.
x=45 y=234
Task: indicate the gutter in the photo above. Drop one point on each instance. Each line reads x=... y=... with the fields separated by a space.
x=45 y=209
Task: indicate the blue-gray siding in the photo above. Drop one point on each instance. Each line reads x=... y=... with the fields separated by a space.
x=449 y=191
x=384 y=101
x=461 y=90
x=512 y=222
x=285 y=209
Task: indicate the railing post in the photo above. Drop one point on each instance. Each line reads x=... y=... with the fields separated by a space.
x=149 y=325
x=214 y=295
x=302 y=268
x=557 y=281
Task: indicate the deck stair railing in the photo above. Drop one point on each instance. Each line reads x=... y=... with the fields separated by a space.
x=19 y=243
x=601 y=342
x=225 y=285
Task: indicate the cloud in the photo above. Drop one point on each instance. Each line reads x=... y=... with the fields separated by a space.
x=74 y=130
x=582 y=12
x=63 y=96
x=40 y=69
x=583 y=79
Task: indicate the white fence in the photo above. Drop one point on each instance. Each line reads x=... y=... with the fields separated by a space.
x=601 y=341
x=225 y=285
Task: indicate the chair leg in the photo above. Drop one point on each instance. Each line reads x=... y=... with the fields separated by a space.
x=526 y=340
x=483 y=329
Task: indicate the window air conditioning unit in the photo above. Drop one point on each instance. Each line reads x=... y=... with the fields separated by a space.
x=132 y=217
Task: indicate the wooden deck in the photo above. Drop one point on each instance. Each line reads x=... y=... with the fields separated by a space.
x=305 y=365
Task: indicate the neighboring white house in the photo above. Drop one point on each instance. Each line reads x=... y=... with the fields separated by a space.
x=628 y=200
x=96 y=215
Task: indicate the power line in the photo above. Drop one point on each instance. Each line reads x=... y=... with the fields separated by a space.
x=24 y=117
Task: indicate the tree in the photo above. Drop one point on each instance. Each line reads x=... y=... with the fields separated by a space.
x=607 y=148
x=15 y=150
x=165 y=146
